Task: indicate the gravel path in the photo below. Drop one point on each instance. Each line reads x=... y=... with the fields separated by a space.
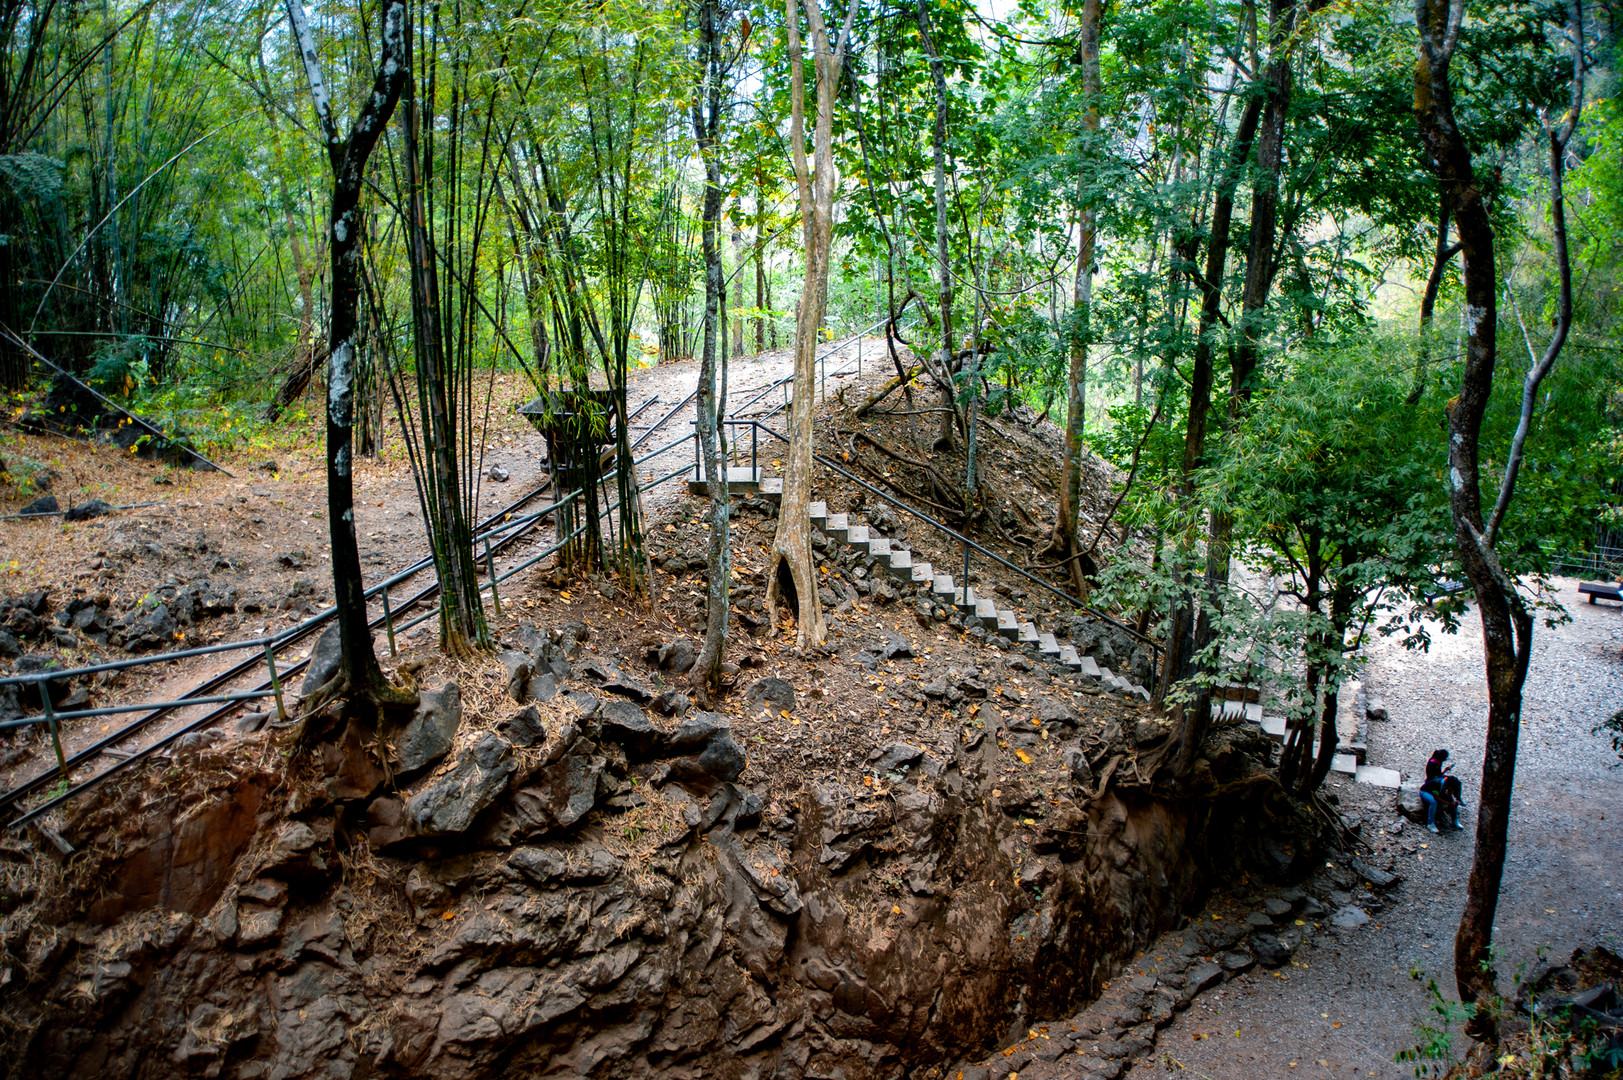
x=1563 y=884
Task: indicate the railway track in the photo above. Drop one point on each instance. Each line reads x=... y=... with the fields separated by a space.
x=21 y=804
x=32 y=798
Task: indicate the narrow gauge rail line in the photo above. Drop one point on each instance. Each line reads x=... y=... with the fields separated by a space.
x=501 y=536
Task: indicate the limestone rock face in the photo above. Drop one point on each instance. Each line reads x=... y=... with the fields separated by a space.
x=580 y=888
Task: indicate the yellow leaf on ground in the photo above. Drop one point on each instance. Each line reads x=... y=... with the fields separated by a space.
x=1023 y=756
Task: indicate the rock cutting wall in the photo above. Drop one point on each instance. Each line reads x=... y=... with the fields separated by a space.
x=584 y=892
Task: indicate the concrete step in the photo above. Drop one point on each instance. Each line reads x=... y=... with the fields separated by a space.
x=964 y=599
x=901 y=563
x=1274 y=727
x=836 y=527
x=818 y=512
x=857 y=536
x=1139 y=692
x=941 y=585
x=1105 y=673
x=1047 y=645
x=986 y=612
x=1028 y=633
x=741 y=480
x=1007 y=625
x=1345 y=764
x=1069 y=657
x=1374 y=774
x=879 y=548
x=771 y=489
x=922 y=573
x=1090 y=668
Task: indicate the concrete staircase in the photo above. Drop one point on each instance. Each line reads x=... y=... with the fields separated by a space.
x=1349 y=757
x=915 y=574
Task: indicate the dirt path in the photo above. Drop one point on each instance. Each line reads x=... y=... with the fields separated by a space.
x=1354 y=1005
x=264 y=531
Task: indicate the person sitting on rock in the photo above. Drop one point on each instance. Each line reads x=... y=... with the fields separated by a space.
x=1441 y=791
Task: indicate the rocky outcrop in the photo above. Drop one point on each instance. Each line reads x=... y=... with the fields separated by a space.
x=594 y=892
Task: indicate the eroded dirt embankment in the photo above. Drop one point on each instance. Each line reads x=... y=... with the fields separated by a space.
x=574 y=888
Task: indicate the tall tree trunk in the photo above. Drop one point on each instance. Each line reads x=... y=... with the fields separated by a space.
x=358 y=675
x=705 y=676
x=760 y=268
x=1181 y=644
x=1428 y=302
x=462 y=613
x=1507 y=625
x=1064 y=543
x=1259 y=276
x=791 y=547
x=938 y=144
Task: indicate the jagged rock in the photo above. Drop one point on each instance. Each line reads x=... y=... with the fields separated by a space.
x=294 y=560
x=673 y=703
x=149 y=628
x=1349 y=917
x=924 y=612
x=936 y=688
x=386 y=821
x=1050 y=711
x=519 y=668
x=432 y=730
x=1076 y=762
x=1375 y=709
x=622 y=722
x=1409 y=803
x=499 y=474
x=562 y=792
x=324 y=661
x=898 y=756
x=773 y=692
x=896 y=645
x=1258 y=919
x=542 y=688
x=972 y=688
x=525 y=728
x=719 y=757
x=1376 y=877
x=40 y=507
x=593 y=668
x=1277 y=907
x=1149 y=732
x=626 y=686
x=1199 y=979
x=1269 y=950
x=87 y=510
x=677 y=656
x=450 y=805
x=547 y=866
x=1238 y=961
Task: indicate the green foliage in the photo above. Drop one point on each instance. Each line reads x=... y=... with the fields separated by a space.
x=1433 y=1054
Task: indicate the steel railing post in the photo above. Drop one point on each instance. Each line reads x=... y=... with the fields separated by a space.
x=490 y=570
x=275 y=681
x=56 y=730
x=388 y=621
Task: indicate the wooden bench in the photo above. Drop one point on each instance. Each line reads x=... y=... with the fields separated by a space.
x=1601 y=590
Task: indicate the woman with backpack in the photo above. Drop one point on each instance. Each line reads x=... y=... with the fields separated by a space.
x=1441 y=791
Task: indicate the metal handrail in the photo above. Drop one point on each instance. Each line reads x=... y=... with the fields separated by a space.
x=831 y=350
x=491 y=526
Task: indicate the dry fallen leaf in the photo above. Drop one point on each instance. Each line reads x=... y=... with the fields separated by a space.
x=1023 y=756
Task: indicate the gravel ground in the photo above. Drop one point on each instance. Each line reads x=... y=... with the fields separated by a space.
x=1354 y=1005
